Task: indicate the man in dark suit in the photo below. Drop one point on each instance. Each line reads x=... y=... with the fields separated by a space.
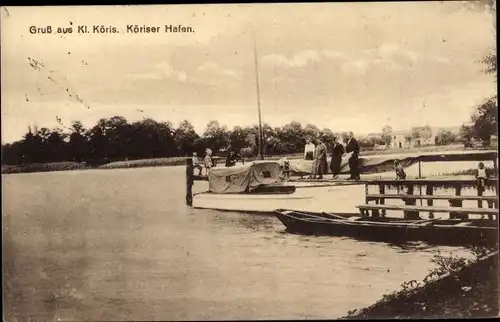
x=353 y=148
x=337 y=152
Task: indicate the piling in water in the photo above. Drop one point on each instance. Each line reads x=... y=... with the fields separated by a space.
x=189 y=181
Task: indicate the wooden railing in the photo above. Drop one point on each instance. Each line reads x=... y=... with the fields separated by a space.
x=410 y=208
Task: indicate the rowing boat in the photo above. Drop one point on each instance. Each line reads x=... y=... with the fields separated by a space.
x=396 y=230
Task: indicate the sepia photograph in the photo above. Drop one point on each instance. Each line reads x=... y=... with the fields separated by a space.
x=270 y=161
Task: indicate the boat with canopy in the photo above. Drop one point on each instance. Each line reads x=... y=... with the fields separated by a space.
x=259 y=187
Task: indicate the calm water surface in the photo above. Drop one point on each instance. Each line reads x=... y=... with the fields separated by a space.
x=122 y=245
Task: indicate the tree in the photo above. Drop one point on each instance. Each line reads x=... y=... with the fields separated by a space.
x=237 y=138
x=293 y=137
x=327 y=136
x=366 y=143
x=185 y=138
x=216 y=137
x=445 y=138
x=387 y=135
x=377 y=140
x=78 y=146
x=311 y=131
x=466 y=133
x=408 y=138
x=56 y=145
x=485 y=120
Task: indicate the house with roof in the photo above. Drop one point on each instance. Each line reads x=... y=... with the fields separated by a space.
x=399 y=140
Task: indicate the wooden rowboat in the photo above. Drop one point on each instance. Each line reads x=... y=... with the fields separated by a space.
x=395 y=230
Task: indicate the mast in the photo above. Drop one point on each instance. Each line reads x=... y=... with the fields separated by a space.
x=261 y=133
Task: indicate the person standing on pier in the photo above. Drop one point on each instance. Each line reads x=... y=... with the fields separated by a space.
x=309 y=150
x=208 y=160
x=196 y=163
x=320 y=160
x=231 y=159
x=353 y=149
x=337 y=153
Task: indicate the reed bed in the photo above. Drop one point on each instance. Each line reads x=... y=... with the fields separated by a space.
x=43 y=167
x=466 y=172
x=158 y=162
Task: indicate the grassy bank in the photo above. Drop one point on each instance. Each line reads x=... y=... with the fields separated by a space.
x=457 y=287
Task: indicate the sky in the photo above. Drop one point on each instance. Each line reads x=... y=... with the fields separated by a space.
x=342 y=66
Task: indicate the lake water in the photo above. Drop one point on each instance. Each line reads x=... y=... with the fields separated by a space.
x=122 y=245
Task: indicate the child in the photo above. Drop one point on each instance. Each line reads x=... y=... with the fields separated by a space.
x=208 y=159
x=196 y=163
x=400 y=171
x=481 y=177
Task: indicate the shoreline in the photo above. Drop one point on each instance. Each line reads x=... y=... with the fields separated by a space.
x=178 y=161
x=470 y=291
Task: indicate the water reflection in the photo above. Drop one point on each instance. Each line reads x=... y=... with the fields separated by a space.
x=121 y=245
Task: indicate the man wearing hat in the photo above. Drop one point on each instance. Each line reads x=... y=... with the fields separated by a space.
x=352 y=149
x=321 y=163
x=337 y=153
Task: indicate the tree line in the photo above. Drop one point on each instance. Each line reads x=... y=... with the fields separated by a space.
x=115 y=139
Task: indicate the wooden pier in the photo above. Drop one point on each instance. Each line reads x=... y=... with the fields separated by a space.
x=409 y=198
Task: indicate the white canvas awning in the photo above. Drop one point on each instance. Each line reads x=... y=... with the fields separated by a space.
x=243 y=178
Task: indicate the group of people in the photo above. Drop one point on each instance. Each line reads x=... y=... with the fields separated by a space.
x=208 y=161
x=318 y=153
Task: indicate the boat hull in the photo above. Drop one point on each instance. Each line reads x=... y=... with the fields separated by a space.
x=444 y=232
x=328 y=198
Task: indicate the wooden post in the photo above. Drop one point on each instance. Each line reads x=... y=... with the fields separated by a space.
x=189 y=182
x=429 y=191
x=495 y=167
x=420 y=177
x=365 y=212
x=381 y=189
x=411 y=202
x=457 y=203
x=480 y=202
x=381 y=201
x=495 y=171
x=458 y=192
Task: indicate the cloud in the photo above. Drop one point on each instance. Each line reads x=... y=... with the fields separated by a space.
x=439 y=59
x=145 y=76
x=355 y=66
x=215 y=68
x=334 y=54
x=391 y=57
x=298 y=60
x=163 y=70
x=394 y=51
x=172 y=73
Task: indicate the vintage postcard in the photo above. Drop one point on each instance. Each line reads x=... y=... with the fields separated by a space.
x=250 y=161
